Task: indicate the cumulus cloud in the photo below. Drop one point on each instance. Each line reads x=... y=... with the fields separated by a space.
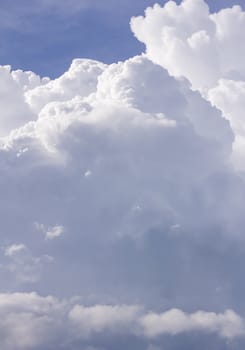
x=116 y=152
x=138 y=123
x=130 y=165
x=206 y=48
x=79 y=80
x=176 y=321
x=228 y=96
x=102 y=318
x=29 y=321
x=12 y=87
x=190 y=41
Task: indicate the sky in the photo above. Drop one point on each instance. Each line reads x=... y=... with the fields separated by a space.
x=122 y=162
x=44 y=36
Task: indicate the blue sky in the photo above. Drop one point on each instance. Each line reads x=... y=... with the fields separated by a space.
x=44 y=36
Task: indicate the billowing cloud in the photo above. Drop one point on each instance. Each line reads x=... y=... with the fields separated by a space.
x=189 y=41
x=118 y=186
x=228 y=96
x=29 y=321
x=176 y=321
x=80 y=80
x=104 y=318
x=206 y=48
x=136 y=125
x=12 y=86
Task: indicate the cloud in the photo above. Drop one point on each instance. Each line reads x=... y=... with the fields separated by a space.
x=14 y=249
x=51 y=232
x=103 y=318
x=12 y=87
x=134 y=166
x=206 y=48
x=29 y=321
x=127 y=124
x=176 y=321
x=54 y=232
x=198 y=45
x=228 y=96
x=158 y=158
x=79 y=80
x=21 y=265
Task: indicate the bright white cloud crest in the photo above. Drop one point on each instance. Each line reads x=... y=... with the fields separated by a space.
x=189 y=41
x=205 y=48
x=119 y=182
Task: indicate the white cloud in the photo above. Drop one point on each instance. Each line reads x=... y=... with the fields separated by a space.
x=135 y=166
x=103 y=318
x=207 y=49
x=14 y=249
x=228 y=96
x=54 y=232
x=138 y=122
x=79 y=80
x=29 y=321
x=50 y=232
x=149 y=141
x=189 y=41
x=175 y=321
x=13 y=114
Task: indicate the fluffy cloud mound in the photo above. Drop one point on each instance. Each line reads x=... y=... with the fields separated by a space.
x=176 y=321
x=117 y=186
x=12 y=87
x=29 y=321
x=229 y=96
x=79 y=80
x=190 y=41
x=138 y=134
x=206 y=48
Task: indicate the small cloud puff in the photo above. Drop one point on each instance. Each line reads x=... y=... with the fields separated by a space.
x=50 y=232
x=14 y=249
x=54 y=232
